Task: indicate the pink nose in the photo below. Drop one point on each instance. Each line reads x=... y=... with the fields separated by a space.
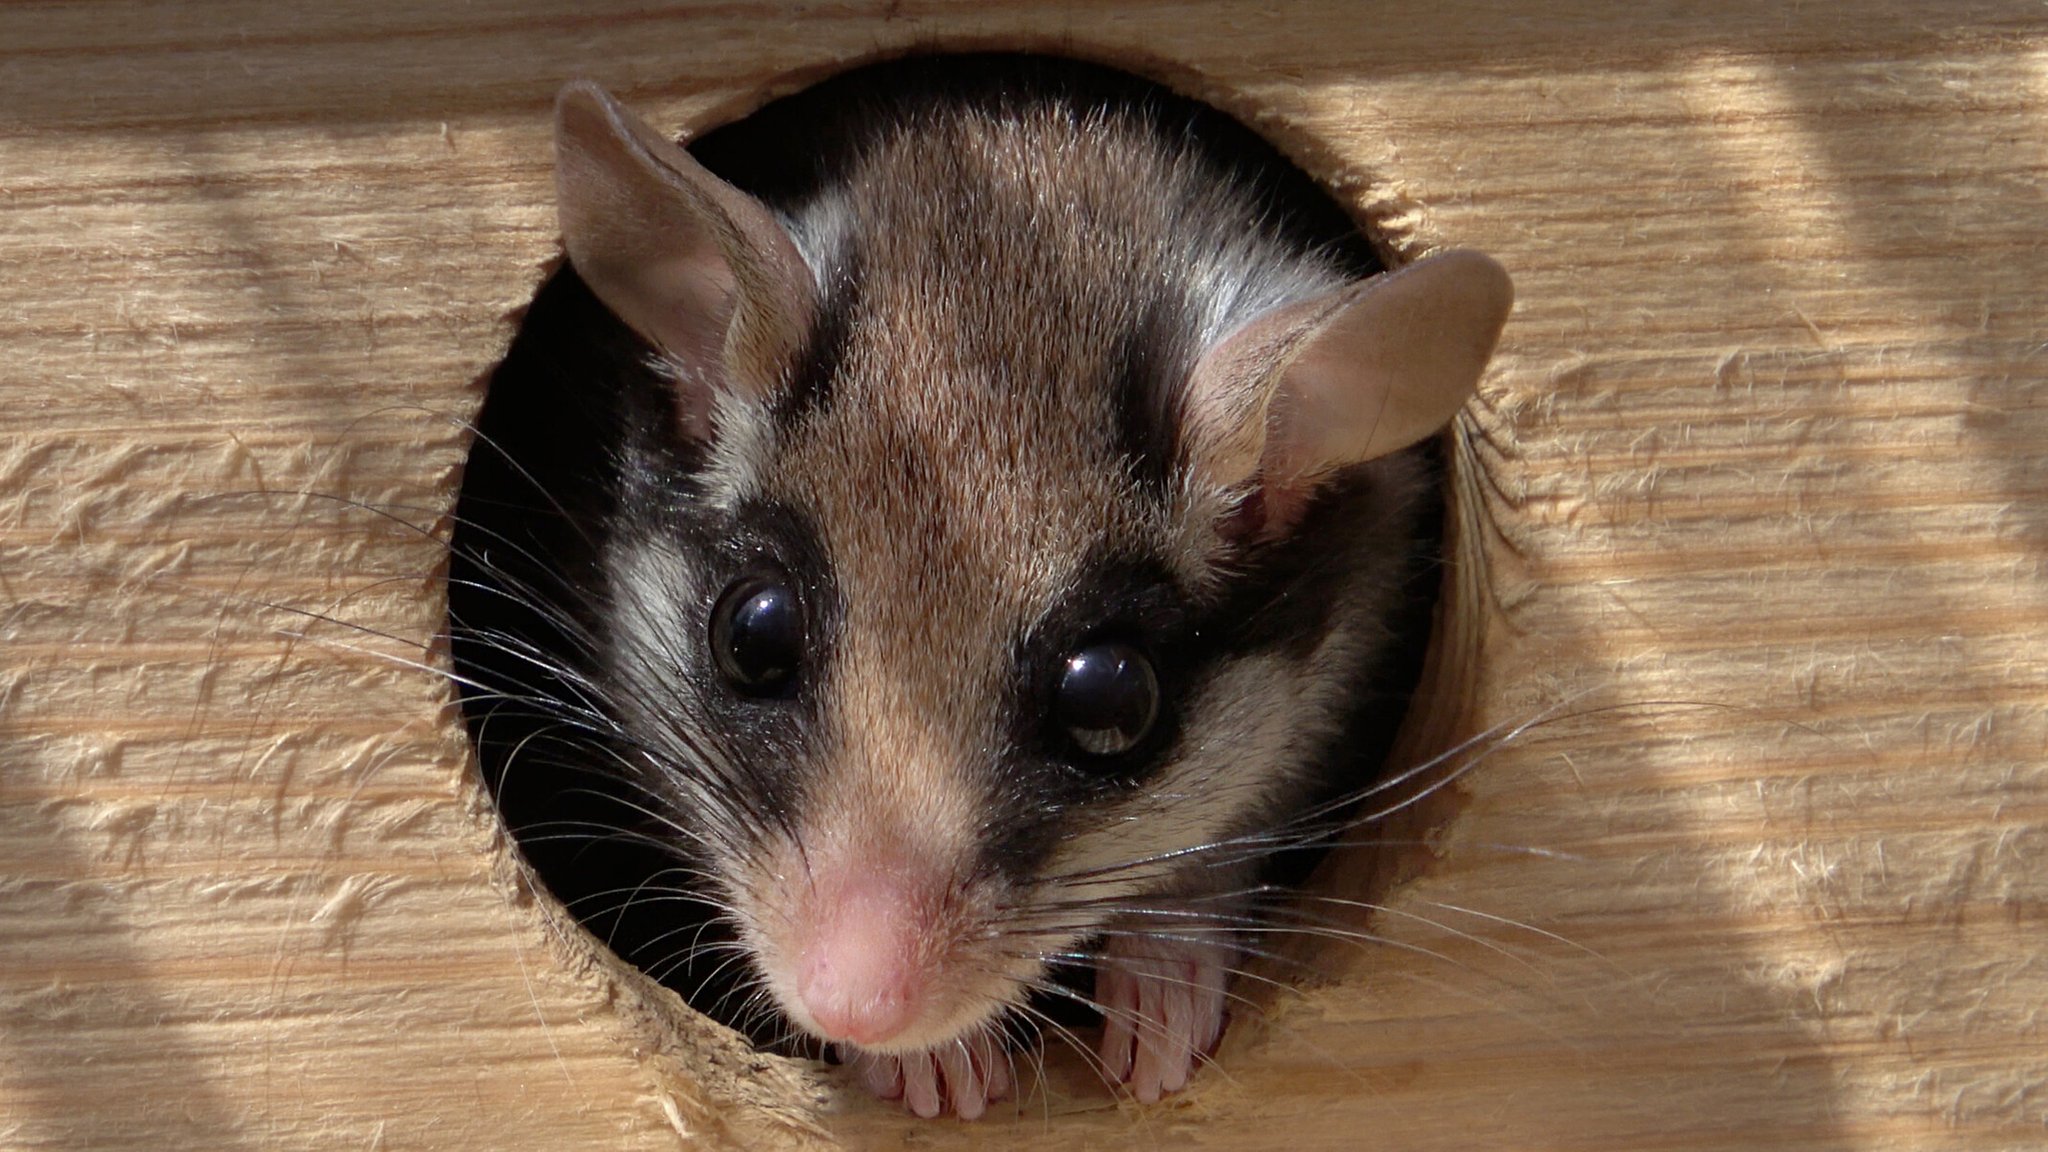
x=860 y=978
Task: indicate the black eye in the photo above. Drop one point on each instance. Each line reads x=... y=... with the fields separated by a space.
x=1108 y=698
x=757 y=635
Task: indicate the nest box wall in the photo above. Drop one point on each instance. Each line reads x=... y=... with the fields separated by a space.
x=1761 y=461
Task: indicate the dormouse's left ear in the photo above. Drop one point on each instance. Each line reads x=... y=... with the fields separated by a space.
x=1340 y=379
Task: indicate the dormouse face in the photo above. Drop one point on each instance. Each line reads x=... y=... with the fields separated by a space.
x=951 y=579
x=979 y=580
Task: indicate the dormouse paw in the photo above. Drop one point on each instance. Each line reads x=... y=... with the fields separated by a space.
x=1162 y=1009
x=963 y=1076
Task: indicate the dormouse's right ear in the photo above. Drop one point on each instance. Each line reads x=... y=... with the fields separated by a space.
x=1310 y=388
x=695 y=266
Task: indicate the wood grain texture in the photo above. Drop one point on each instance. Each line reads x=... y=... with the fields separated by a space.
x=1755 y=490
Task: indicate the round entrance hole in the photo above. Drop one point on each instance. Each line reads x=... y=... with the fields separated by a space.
x=858 y=604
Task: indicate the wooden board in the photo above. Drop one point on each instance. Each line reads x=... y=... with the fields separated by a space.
x=1754 y=492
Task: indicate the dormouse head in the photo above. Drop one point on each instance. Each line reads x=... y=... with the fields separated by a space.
x=1010 y=540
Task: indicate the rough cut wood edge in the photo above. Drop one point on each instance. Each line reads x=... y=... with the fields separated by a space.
x=1765 y=439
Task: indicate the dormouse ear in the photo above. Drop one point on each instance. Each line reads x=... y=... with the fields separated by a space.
x=695 y=266
x=1340 y=379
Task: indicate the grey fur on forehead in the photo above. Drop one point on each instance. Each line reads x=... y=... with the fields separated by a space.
x=1196 y=235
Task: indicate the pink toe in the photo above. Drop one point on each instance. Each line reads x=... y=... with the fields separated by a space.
x=883 y=1076
x=1145 y=1071
x=1113 y=989
x=999 y=1082
x=963 y=1085
x=1175 y=1038
x=921 y=1085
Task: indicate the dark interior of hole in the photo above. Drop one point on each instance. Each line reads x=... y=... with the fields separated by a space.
x=541 y=488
